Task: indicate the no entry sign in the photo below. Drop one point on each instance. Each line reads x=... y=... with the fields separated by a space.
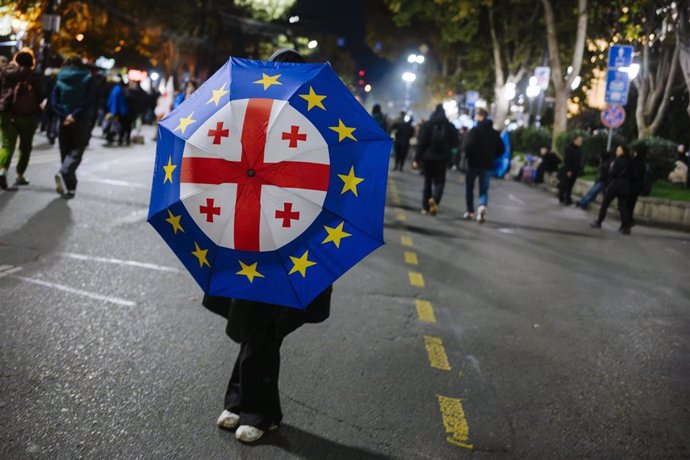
x=613 y=116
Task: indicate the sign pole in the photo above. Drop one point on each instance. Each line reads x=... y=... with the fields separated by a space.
x=609 y=140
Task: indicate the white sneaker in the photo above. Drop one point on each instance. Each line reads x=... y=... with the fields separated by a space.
x=481 y=214
x=60 y=185
x=228 y=420
x=248 y=433
x=468 y=216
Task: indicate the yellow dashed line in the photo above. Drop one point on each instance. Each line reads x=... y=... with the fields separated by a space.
x=437 y=354
x=406 y=241
x=416 y=279
x=425 y=311
x=454 y=421
x=411 y=258
x=400 y=215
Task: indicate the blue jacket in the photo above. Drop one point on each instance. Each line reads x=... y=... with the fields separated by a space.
x=117 y=104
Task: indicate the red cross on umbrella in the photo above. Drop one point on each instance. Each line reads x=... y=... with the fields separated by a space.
x=251 y=173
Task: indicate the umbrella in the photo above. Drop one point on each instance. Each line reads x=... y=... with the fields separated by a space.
x=269 y=182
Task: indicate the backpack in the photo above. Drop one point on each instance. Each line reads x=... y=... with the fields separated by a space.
x=438 y=138
x=24 y=99
x=647 y=181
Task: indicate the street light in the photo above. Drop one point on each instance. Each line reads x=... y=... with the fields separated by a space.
x=409 y=77
x=533 y=89
x=415 y=59
x=367 y=88
x=293 y=19
x=312 y=44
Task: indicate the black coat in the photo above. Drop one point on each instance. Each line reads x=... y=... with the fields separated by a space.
x=604 y=165
x=550 y=162
x=244 y=316
x=638 y=168
x=573 y=160
x=403 y=132
x=618 y=179
x=483 y=145
x=425 y=149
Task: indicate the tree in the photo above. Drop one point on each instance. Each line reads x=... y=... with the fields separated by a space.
x=683 y=42
x=562 y=84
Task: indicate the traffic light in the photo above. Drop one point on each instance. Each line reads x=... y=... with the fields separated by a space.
x=361 y=83
x=361 y=72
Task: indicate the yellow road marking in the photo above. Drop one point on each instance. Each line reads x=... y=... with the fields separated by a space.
x=406 y=241
x=425 y=311
x=454 y=421
x=400 y=215
x=437 y=354
x=416 y=279
x=411 y=258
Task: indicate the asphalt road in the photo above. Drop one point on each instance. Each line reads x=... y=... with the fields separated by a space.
x=531 y=336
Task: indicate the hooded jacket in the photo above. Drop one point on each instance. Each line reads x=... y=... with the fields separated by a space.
x=483 y=146
x=12 y=74
x=72 y=93
x=438 y=123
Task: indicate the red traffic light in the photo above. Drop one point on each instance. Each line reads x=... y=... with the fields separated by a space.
x=361 y=73
x=361 y=82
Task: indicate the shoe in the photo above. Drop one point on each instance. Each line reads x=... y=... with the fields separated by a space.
x=60 y=185
x=3 y=182
x=595 y=224
x=625 y=230
x=481 y=214
x=468 y=216
x=247 y=433
x=69 y=194
x=228 y=420
x=21 y=181
x=433 y=207
x=424 y=212
x=578 y=204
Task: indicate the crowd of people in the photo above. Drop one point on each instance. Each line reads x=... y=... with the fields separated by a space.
x=66 y=104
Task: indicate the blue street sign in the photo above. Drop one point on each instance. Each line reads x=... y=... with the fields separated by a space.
x=471 y=98
x=617 y=85
x=620 y=56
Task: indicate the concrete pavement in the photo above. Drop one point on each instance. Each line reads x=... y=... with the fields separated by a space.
x=529 y=336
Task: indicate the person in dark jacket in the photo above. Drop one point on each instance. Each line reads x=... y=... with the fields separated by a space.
x=638 y=169
x=572 y=165
x=435 y=140
x=617 y=186
x=549 y=163
x=21 y=96
x=600 y=181
x=72 y=100
x=379 y=117
x=401 y=145
x=482 y=146
x=252 y=400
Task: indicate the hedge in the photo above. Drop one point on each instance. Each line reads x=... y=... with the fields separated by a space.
x=530 y=139
x=661 y=155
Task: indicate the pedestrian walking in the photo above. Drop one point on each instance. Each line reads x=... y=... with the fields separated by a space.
x=435 y=140
x=572 y=165
x=638 y=179
x=72 y=100
x=21 y=97
x=459 y=158
x=617 y=187
x=482 y=147
x=605 y=160
x=252 y=400
x=401 y=144
x=379 y=117
x=189 y=87
x=118 y=118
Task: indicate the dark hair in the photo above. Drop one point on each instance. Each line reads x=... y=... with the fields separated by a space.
x=641 y=151
x=376 y=108
x=72 y=61
x=287 y=55
x=482 y=113
x=194 y=83
x=24 y=59
x=626 y=151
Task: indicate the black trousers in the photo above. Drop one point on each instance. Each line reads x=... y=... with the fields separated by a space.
x=434 y=182
x=622 y=207
x=632 y=201
x=565 y=189
x=400 y=155
x=73 y=140
x=253 y=388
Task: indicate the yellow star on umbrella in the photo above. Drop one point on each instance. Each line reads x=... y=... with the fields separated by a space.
x=169 y=168
x=217 y=94
x=175 y=222
x=250 y=271
x=350 y=181
x=313 y=99
x=184 y=122
x=201 y=255
x=343 y=131
x=300 y=264
x=268 y=80
x=335 y=234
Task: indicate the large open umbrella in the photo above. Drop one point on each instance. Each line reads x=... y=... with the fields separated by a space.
x=270 y=181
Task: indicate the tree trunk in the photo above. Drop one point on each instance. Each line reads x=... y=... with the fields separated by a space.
x=649 y=105
x=501 y=109
x=683 y=43
x=562 y=85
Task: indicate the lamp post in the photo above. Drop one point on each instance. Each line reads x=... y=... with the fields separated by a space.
x=408 y=78
x=533 y=90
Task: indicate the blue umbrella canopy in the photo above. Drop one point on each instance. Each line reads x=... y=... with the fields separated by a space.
x=269 y=182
